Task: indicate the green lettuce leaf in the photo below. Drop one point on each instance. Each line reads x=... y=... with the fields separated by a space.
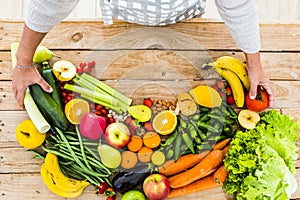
x=260 y=162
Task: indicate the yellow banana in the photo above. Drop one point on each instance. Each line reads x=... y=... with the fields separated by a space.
x=236 y=66
x=49 y=180
x=235 y=84
x=57 y=182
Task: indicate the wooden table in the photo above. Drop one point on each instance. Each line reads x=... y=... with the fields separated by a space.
x=140 y=62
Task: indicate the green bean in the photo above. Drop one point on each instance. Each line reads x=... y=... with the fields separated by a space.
x=189 y=143
x=207 y=127
x=82 y=149
x=195 y=117
x=73 y=154
x=178 y=143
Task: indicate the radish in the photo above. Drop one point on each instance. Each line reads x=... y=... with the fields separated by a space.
x=92 y=126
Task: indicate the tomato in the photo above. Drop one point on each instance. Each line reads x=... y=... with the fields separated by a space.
x=260 y=103
x=148 y=102
x=91 y=64
x=102 y=187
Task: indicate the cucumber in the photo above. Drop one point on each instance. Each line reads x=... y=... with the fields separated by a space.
x=48 y=75
x=48 y=107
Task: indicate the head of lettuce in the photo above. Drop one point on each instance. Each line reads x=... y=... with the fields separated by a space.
x=261 y=161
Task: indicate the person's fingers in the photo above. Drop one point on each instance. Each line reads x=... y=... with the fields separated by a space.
x=253 y=90
x=45 y=86
x=19 y=96
x=267 y=86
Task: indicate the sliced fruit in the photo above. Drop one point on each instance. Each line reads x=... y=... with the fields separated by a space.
x=64 y=70
x=165 y=122
x=144 y=154
x=75 y=109
x=186 y=104
x=248 y=119
x=151 y=139
x=129 y=159
x=135 y=143
x=140 y=112
x=206 y=96
x=158 y=158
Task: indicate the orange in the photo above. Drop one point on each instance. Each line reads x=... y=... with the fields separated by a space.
x=165 y=122
x=75 y=109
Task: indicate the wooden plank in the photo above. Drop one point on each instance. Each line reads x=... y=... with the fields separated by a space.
x=196 y=33
x=284 y=91
x=32 y=187
x=278 y=66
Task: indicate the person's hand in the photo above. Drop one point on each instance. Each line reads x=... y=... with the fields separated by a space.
x=257 y=78
x=22 y=78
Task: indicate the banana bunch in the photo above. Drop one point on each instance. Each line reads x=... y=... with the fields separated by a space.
x=235 y=73
x=57 y=182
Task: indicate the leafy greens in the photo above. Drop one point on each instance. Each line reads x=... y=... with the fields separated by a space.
x=261 y=162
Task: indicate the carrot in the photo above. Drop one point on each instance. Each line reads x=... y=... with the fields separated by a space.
x=184 y=162
x=225 y=150
x=220 y=145
x=200 y=170
x=144 y=154
x=151 y=139
x=129 y=159
x=220 y=175
x=135 y=143
x=202 y=184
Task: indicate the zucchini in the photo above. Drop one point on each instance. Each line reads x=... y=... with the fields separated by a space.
x=48 y=107
x=48 y=75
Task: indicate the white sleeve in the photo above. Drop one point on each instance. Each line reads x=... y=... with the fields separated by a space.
x=42 y=15
x=241 y=18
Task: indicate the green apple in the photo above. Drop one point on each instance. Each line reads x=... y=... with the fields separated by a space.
x=133 y=195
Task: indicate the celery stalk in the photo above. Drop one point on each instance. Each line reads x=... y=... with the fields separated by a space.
x=102 y=98
x=90 y=98
x=107 y=88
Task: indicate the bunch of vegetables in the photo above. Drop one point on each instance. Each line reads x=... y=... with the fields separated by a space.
x=261 y=161
x=195 y=153
x=201 y=130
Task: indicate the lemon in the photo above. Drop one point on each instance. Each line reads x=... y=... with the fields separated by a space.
x=165 y=122
x=75 y=109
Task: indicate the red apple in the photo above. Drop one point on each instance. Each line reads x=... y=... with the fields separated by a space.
x=117 y=134
x=92 y=126
x=156 y=187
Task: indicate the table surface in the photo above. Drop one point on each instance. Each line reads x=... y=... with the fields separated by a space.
x=140 y=62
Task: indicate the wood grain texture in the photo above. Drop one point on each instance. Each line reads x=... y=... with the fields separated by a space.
x=197 y=33
x=277 y=65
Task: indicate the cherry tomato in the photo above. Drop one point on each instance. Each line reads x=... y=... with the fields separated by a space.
x=91 y=64
x=148 y=102
x=82 y=64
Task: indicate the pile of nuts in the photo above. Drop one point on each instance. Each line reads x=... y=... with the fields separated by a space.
x=160 y=105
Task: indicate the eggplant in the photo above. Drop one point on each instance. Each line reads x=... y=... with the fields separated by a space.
x=126 y=180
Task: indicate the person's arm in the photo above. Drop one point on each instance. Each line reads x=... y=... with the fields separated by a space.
x=241 y=18
x=41 y=17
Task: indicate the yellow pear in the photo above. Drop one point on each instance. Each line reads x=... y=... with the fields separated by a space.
x=42 y=54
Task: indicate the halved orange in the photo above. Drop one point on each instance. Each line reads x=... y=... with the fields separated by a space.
x=165 y=122
x=75 y=109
